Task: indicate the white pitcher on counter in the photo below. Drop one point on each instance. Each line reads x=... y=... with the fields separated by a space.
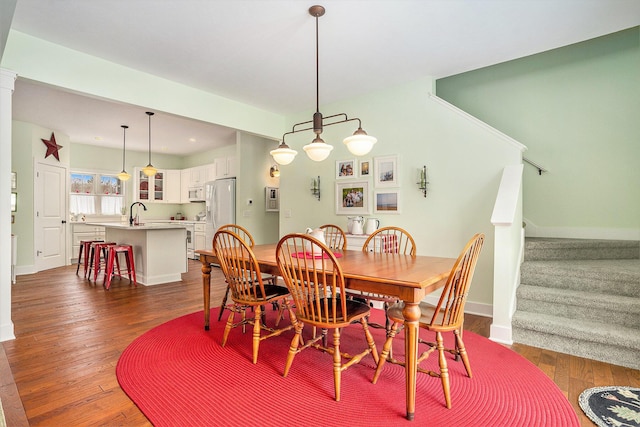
x=372 y=225
x=357 y=225
x=318 y=233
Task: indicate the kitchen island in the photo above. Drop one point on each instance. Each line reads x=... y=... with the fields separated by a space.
x=159 y=250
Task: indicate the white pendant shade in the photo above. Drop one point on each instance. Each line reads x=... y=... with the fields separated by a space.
x=149 y=170
x=123 y=176
x=318 y=151
x=283 y=155
x=360 y=144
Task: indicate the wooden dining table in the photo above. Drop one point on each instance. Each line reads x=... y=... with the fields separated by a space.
x=403 y=276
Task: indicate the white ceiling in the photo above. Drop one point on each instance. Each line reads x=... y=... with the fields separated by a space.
x=262 y=52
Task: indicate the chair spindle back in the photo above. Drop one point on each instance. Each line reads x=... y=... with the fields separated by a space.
x=334 y=236
x=315 y=281
x=450 y=308
x=239 y=266
x=390 y=240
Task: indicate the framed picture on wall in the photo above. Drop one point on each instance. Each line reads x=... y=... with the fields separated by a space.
x=387 y=201
x=352 y=198
x=14 y=181
x=386 y=171
x=345 y=169
x=365 y=168
x=14 y=202
x=272 y=197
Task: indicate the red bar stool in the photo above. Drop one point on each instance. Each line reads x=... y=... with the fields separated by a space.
x=113 y=252
x=85 y=246
x=96 y=257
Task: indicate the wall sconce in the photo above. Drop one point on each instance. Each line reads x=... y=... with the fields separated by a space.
x=274 y=172
x=422 y=181
x=315 y=188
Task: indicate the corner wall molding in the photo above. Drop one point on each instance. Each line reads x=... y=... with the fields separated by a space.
x=478 y=122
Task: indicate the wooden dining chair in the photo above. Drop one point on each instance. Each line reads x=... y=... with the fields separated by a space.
x=316 y=282
x=248 y=238
x=446 y=316
x=334 y=237
x=390 y=240
x=247 y=287
x=394 y=240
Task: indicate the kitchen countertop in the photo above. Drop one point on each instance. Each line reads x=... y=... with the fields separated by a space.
x=143 y=226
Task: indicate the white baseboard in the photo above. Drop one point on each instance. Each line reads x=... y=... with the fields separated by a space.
x=477 y=308
x=501 y=334
x=25 y=269
x=533 y=230
x=7 y=332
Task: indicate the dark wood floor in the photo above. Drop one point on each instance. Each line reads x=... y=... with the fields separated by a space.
x=60 y=370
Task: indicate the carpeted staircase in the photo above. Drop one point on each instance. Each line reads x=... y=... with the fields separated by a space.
x=581 y=297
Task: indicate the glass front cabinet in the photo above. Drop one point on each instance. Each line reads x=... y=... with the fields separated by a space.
x=150 y=188
x=163 y=187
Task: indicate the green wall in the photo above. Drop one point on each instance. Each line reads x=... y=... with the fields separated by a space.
x=464 y=160
x=253 y=176
x=27 y=149
x=577 y=109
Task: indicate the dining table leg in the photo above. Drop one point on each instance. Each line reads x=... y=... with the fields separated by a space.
x=411 y=313
x=206 y=289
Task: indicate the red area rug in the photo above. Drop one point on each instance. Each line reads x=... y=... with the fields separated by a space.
x=179 y=375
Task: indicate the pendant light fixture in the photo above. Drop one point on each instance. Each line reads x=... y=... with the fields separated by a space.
x=123 y=176
x=149 y=170
x=358 y=144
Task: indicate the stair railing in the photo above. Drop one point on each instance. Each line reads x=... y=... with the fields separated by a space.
x=508 y=246
x=535 y=165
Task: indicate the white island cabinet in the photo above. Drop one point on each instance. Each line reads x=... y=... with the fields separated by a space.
x=159 y=250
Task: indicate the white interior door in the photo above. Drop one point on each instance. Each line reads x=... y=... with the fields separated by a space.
x=50 y=216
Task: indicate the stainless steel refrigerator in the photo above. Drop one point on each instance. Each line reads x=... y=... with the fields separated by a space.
x=220 y=206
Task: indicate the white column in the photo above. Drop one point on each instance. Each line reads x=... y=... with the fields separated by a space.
x=7 y=81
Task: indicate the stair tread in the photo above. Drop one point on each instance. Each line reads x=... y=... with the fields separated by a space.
x=557 y=243
x=588 y=299
x=596 y=331
x=621 y=269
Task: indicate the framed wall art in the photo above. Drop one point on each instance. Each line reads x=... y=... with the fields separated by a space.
x=386 y=171
x=272 y=197
x=365 y=168
x=345 y=169
x=387 y=201
x=14 y=202
x=14 y=181
x=352 y=198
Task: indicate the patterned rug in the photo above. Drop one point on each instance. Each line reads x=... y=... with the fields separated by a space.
x=612 y=406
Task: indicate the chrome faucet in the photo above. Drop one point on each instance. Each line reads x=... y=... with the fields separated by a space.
x=131 y=220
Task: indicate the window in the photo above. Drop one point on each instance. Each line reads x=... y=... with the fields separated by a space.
x=95 y=194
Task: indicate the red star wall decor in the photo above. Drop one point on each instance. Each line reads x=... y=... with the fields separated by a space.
x=52 y=147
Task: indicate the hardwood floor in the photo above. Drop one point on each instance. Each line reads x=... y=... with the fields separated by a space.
x=70 y=334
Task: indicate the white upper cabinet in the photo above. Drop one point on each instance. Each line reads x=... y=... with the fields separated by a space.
x=185 y=180
x=225 y=167
x=172 y=186
x=209 y=172
x=163 y=187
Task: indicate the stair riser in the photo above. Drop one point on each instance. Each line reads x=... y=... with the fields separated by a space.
x=593 y=313
x=580 y=284
x=616 y=355
x=539 y=254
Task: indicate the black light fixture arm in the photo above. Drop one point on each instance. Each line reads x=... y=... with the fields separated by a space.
x=149 y=113
x=124 y=142
x=322 y=123
x=359 y=143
